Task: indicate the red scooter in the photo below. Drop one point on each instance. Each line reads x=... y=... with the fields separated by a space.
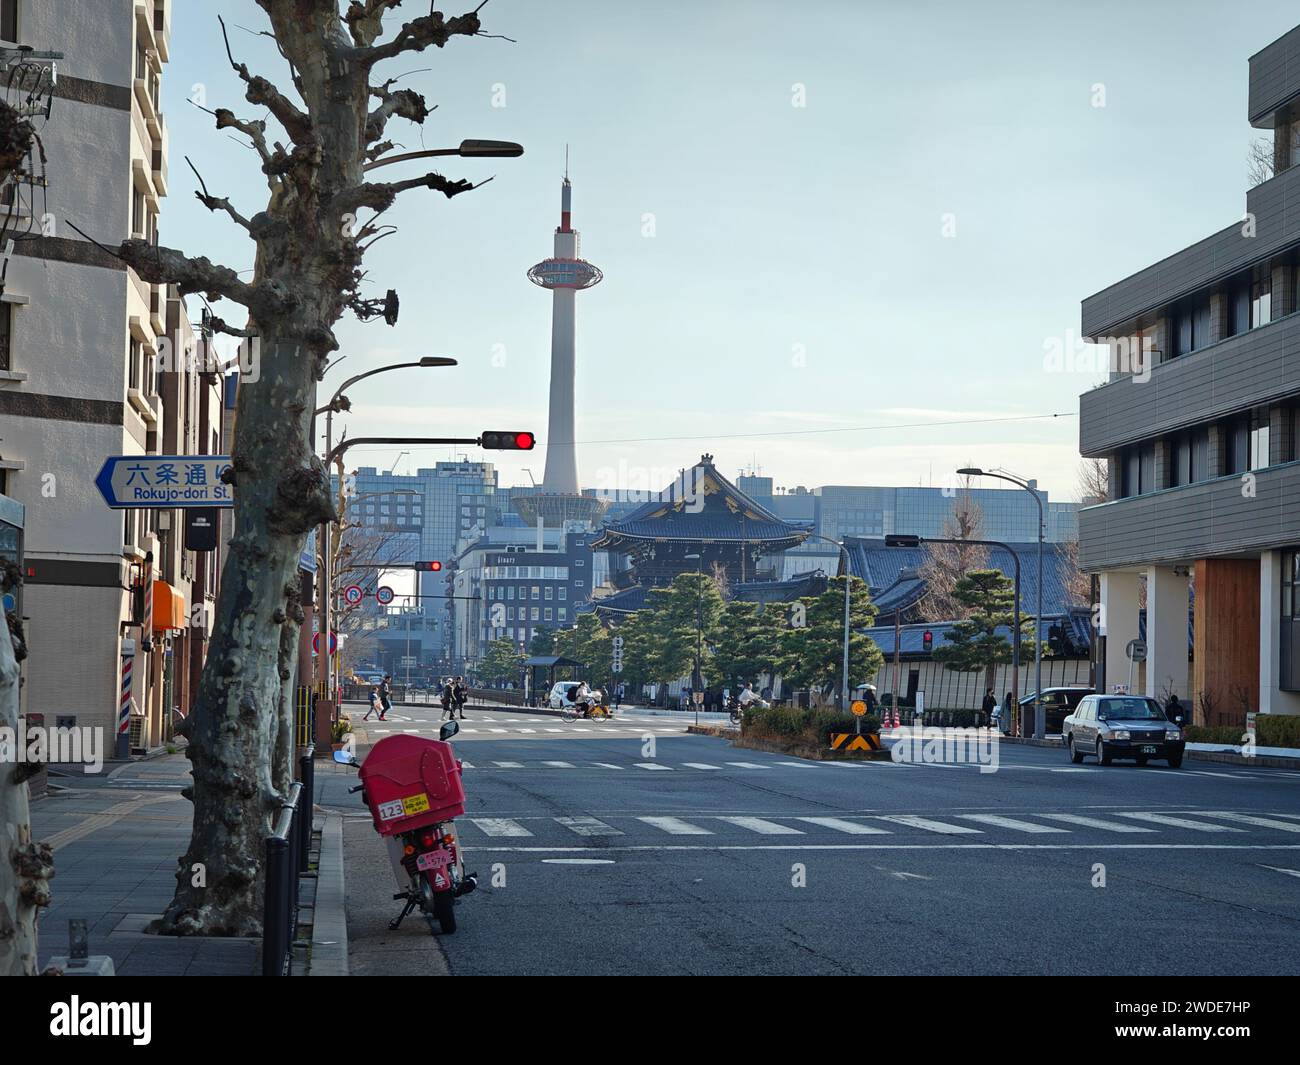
x=413 y=788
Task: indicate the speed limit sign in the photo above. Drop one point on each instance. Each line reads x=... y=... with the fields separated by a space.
x=384 y=595
x=352 y=594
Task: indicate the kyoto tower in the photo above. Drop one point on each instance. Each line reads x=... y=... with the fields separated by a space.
x=564 y=274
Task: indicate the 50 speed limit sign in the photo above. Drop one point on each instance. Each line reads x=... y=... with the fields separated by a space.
x=384 y=595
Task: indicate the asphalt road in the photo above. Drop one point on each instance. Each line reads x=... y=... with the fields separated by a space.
x=630 y=847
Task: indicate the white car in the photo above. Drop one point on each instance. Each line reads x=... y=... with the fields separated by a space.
x=560 y=697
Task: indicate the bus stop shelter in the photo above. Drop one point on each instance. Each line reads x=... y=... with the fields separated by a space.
x=546 y=665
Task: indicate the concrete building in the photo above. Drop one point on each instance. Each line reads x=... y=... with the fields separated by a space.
x=1198 y=425
x=78 y=377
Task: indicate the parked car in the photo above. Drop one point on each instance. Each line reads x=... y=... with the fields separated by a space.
x=1122 y=726
x=1058 y=703
x=561 y=694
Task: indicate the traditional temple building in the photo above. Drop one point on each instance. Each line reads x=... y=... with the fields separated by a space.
x=701 y=523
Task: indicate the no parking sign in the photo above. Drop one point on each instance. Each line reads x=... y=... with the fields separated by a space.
x=352 y=594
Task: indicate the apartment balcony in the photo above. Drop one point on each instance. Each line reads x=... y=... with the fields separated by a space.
x=1251 y=369
x=1274 y=79
x=1275 y=205
x=1226 y=516
x=162 y=28
x=158 y=162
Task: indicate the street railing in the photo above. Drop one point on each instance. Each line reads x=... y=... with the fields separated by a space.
x=287 y=850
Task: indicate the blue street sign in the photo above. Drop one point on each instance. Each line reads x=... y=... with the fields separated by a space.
x=131 y=481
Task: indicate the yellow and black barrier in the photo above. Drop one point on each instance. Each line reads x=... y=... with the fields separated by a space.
x=855 y=741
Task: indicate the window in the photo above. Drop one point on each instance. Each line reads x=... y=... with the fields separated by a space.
x=6 y=332
x=9 y=20
x=537 y=613
x=1192 y=326
x=562 y=613
x=550 y=592
x=137 y=213
x=1236 y=445
x=537 y=591
x=547 y=614
x=510 y=592
x=1261 y=302
x=133 y=361
x=1289 y=631
x=564 y=592
x=1259 y=436
x=1181 y=461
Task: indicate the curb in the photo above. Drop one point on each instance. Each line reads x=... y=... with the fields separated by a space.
x=812 y=754
x=329 y=933
x=1271 y=761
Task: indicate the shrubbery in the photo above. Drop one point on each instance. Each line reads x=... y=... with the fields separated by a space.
x=814 y=726
x=1271 y=730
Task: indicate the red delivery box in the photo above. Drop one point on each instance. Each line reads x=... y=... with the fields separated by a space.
x=411 y=782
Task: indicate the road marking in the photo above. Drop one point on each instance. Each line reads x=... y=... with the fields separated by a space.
x=1094 y=822
x=700 y=765
x=466 y=765
x=500 y=826
x=675 y=826
x=527 y=730
x=559 y=765
x=651 y=765
x=499 y=731
x=608 y=765
x=1177 y=822
x=853 y=828
x=577 y=861
x=748 y=765
x=801 y=765
x=805 y=846
x=588 y=826
x=553 y=730
x=109 y=816
x=1280 y=869
x=912 y=821
x=1250 y=819
x=509 y=765
x=759 y=825
x=1010 y=822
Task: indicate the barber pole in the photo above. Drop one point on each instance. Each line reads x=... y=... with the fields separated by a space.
x=124 y=703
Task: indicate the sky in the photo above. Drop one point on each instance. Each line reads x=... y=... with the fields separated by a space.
x=839 y=238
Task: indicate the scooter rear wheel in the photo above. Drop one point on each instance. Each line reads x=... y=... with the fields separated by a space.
x=444 y=909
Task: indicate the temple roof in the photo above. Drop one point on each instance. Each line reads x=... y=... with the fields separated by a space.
x=702 y=505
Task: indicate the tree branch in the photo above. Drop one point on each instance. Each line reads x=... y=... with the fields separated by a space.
x=380 y=195
x=162 y=266
x=263 y=93
x=365 y=19
x=217 y=203
x=418 y=34
x=404 y=103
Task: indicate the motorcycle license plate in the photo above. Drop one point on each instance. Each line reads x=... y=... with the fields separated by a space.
x=1148 y=750
x=433 y=859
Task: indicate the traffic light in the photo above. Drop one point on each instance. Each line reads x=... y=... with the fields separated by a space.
x=902 y=540
x=927 y=640
x=429 y=567
x=508 y=441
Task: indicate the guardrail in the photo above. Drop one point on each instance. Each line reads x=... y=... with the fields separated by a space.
x=286 y=861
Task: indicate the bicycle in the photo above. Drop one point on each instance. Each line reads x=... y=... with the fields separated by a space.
x=594 y=712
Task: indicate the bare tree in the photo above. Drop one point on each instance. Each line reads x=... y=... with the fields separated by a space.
x=313 y=143
x=1094 y=482
x=945 y=564
x=1259 y=161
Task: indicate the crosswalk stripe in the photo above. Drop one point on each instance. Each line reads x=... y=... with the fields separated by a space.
x=912 y=821
x=553 y=730
x=499 y=730
x=802 y=765
x=761 y=826
x=559 y=765
x=1094 y=822
x=748 y=765
x=1250 y=819
x=853 y=828
x=509 y=765
x=466 y=765
x=527 y=730
x=675 y=826
x=500 y=826
x=700 y=765
x=1010 y=822
x=651 y=765
x=607 y=765
x=1176 y=822
x=588 y=826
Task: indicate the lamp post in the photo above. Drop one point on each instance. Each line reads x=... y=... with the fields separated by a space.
x=697 y=679
x=327 y=606
x=848 y=589
x=470 y=149
x=1040 y=713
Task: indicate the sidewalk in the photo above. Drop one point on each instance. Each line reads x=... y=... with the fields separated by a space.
x=116 y=841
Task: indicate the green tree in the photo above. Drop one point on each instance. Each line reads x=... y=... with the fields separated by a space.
x=543 y=641
x=587 y=642
x=502 y=662
x=974 y=643
x=813 y=641
x=685 y=613
x=748 y=641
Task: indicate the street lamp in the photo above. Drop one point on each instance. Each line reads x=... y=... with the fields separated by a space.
x=1040 y=712
x=327 y=605
x=470 y=149
x=848 y=589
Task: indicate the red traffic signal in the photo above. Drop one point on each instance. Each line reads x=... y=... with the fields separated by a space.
x=508 y=441
x=431 y=567
x=927 y=639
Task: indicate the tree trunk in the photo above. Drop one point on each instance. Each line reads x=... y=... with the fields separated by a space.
x=281 y=490
x=25 y=867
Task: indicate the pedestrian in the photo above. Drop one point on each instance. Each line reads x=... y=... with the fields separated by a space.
x=1004 y=720
x=375 y=705
x=989 y=705
x=447 y=697
x=618 y=695
x=870 y=699
x=385 y=696
x=461 y=693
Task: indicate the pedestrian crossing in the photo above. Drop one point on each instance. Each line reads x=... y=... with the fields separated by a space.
x=1098 y=825
x=623 y=728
